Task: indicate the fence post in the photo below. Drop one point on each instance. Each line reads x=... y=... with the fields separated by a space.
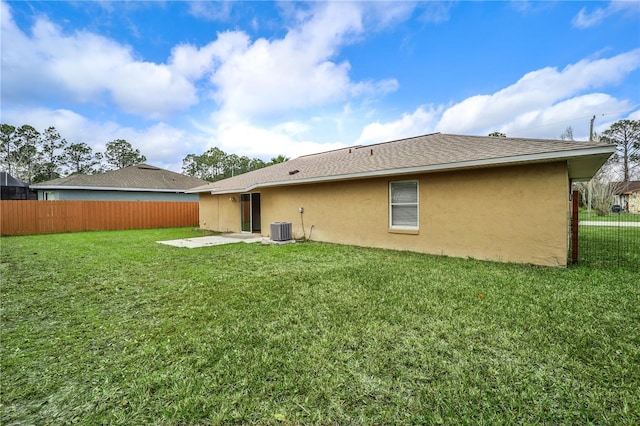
x=575 y=198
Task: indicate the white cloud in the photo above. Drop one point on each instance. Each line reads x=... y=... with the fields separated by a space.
x=436 y=11
x=542 y=103
x=72 y=126
x=164 y=145
x=535 y=91
x=195 y=63
x=264 y=80
x=586 y=19
x=82 y=67
x=213 y=11
x=384 y=14
x=420 y=122
x=635 y=115
x=244 y=138
x=247 y=79
x=150 y=90
x=267 y=78
x=551 y=121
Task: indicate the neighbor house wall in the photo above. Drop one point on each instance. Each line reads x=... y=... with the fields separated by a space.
x=512 y=214
x=77 y=194
x=634 y=202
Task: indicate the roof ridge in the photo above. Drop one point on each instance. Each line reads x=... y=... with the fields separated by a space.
x=524 y=138
x=134 y=176
x=327 y=152
x=398 y=140
x=145 y=166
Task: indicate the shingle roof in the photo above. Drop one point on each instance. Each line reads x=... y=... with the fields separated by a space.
x=434 y=152
x=138 y=177
x=627 y=187
x=7 y=180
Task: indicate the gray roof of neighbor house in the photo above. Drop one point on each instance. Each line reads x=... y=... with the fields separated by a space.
x=141 y=177
x=428 y=153
x=627 y=187
x=7 y=180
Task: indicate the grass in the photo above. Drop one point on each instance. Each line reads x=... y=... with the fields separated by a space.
x=609 y=247
x=112 y=328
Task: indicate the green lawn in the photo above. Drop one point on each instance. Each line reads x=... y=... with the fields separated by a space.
x=112 y=328
x=609 y=247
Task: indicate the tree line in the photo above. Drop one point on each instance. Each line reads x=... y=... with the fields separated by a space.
x=215 y=164
x=34 y=156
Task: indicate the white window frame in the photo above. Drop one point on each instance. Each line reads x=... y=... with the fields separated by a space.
x=392 y=204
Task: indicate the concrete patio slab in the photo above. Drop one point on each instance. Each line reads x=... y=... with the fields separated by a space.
x=213 y=240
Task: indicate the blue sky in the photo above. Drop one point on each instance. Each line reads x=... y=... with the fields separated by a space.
x=262 y=78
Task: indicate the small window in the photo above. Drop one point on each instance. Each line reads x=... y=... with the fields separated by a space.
x=403 y=205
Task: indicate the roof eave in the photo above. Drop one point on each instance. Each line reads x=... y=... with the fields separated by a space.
x=226 y=191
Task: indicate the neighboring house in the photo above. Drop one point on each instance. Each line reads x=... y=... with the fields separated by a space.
x=141 y=182
x=14 y=189
x=503 y=199
x=627 y=195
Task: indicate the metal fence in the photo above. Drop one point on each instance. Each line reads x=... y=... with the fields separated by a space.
x=611 y=241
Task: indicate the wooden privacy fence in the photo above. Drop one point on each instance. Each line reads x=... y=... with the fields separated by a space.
x=50 y=217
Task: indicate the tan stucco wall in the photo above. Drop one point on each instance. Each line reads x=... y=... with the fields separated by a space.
x=512 y=214
x=219 y=212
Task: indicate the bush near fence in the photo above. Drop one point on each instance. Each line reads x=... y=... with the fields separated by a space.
x=50 y=217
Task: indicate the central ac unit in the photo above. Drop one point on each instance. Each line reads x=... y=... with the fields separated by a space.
x=281 y=231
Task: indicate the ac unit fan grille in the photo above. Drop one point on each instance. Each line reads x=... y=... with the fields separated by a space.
x=281 y=231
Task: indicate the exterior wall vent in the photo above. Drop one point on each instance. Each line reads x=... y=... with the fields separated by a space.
x=281 y=231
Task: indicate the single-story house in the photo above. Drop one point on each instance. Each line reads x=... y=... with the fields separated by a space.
x=627 y=195
x=493 y=198
x=12 y=188
x=141 y=182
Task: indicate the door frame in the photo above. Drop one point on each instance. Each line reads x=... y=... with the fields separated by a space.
x=250 y=206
